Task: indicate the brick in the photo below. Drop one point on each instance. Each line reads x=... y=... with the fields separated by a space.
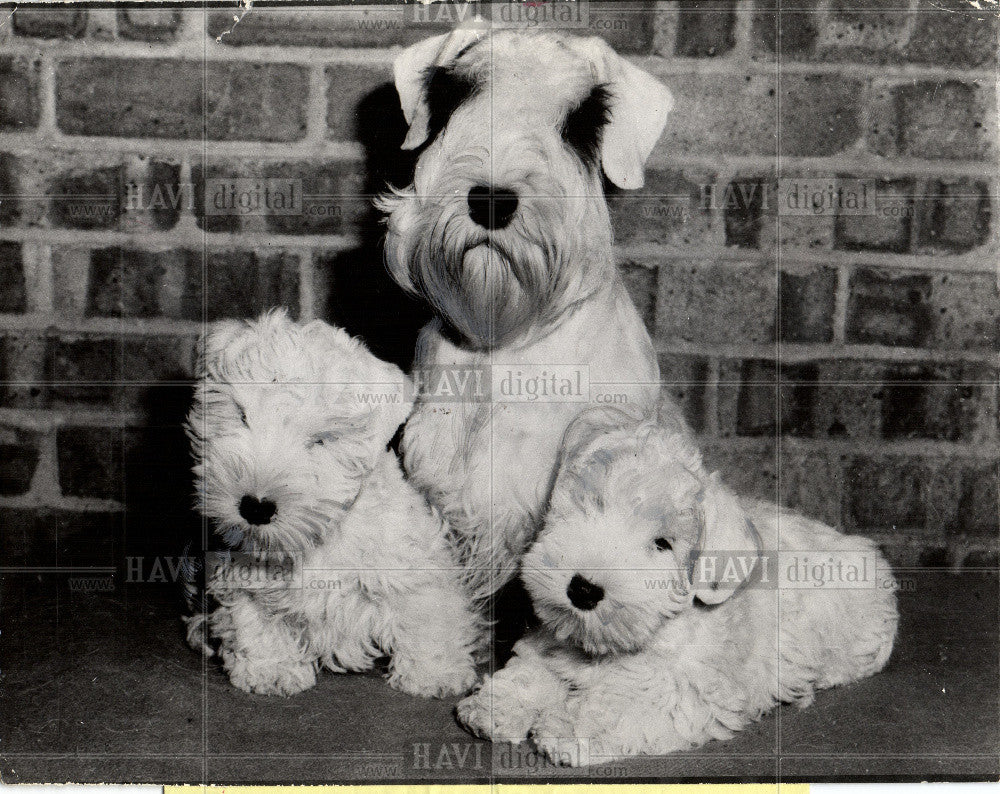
x=879 y=231
x=216 y=222
x=812 y=484
x=977 y=508
x=22 y=384
x=953 y=216
x=748 y=126
x=712 y=303
x=114 y=372
x=953 y=32
x=705 y=29
x=862 y=32
x=336 y=198
x=796 y=34
x=373 y=25
x=50 y=23
x=884 y=494
x=750 y=472
x=935 y=120
x=12 y=291
x=335 y=201
x=87 y=200
x=936 y=310
x=848 y=401
x=887 y=308
x=798 y=232
x=684 y=379
x=152 y=98
x=640 y=281
x=807 y=305
x=668 y=209
x=757 y=398
x=70 y=280
x=819 y=114
x=627 y=26
x=18 y=460
x=18 y=94
x=239 y=284
x=347 y=86
x=935 y=402
x=51 y=537
x=9 y=203
x=153 y=196
x=745 y=201
x=139 y=24
x=92 y=460
x=126 y=283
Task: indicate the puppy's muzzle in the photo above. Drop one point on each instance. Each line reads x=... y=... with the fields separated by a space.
x=257 y=511
x=491 y=208
x=584 y=594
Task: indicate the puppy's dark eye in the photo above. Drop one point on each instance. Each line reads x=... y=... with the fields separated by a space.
x=318 y=442
x=243 y=416
x=662 y=544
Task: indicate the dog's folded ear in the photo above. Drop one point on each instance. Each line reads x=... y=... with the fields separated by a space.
x=729 y=551
x=411 y=68
x=639 y=107
x=379 y=386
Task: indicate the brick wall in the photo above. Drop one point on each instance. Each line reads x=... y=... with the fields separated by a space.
x=846 y=364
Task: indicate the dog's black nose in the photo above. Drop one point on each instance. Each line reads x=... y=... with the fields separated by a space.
x=257 y=511
x=492 y=209
x=584 y=594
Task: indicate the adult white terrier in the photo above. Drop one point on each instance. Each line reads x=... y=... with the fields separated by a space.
x=336 y=559
x=505 y=232
x=671 y=612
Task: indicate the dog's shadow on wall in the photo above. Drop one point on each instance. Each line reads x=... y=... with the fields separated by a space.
x=362 y=297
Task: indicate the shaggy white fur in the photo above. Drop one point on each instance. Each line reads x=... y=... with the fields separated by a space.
x=336 y=560
x=670 y=611
x=505 y=232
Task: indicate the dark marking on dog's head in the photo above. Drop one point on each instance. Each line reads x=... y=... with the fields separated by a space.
x=445 y=90
x=584 y=124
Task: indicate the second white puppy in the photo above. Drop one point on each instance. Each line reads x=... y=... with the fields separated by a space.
x=336 y=560
x=670 y=614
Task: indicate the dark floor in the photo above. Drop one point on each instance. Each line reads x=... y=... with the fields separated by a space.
x=102 y=688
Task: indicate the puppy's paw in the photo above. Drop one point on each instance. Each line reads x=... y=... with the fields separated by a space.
x=494 y=718
x=432 y=681
x=285 y=679
x=556 y=738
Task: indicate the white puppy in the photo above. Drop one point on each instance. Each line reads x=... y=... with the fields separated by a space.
x=335 y=560
x=673 y=611
x=506 y=233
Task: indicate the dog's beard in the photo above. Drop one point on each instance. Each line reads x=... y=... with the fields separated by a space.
x=491 y=287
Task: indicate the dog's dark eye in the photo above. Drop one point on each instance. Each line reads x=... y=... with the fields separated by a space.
x=318 y=442
x=662 y=544
x=584 y=124
x=243 y=416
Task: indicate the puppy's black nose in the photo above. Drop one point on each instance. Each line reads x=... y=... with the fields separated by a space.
x=492 y=209
x=257 y=511
x=584 y=594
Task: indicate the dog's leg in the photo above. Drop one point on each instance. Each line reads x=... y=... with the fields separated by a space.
x=508 y=702
x=260 y=653
x=432 y=638
x=616 y=714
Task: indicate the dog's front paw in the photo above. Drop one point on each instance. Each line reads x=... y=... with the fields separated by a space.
x=494 y=718
x=555 y=736
x=432 y=678
x=286 y=679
